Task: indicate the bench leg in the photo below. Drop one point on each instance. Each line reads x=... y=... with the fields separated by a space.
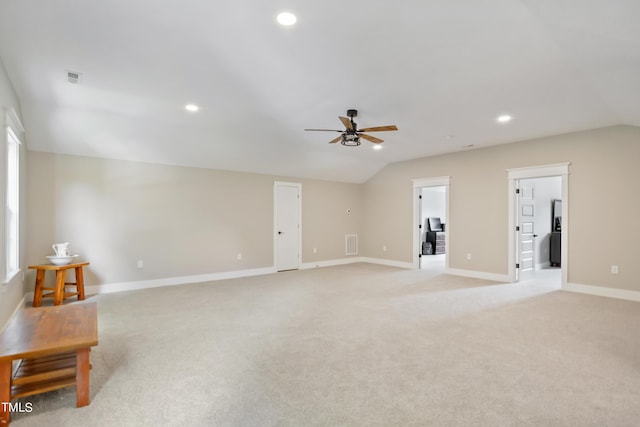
x=59 y=292
x=37 y=292
x=82 y=377
x=80 y=283
x=5 y=392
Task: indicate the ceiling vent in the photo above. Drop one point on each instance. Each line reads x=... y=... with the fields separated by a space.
x=74 y=77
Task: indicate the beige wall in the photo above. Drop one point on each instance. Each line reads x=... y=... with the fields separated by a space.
x=603 y=225
x=11 y=292
x=325 y=220
x=180 y=221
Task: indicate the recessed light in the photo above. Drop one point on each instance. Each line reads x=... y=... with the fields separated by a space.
x=505 y=118
x=377 y=147
x=191 y=107
x=287 y=19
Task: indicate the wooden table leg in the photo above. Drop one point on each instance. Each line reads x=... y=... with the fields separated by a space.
x=80 y=283
x=59 y=292
x=5 y=392
x=37 y=292
x=82 y=377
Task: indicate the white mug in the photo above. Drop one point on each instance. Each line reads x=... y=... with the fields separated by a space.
x=61 y=249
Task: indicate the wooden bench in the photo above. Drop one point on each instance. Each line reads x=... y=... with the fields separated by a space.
x=34 y=376
x=52 y=344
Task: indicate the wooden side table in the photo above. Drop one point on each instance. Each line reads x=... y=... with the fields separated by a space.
x=58 y=293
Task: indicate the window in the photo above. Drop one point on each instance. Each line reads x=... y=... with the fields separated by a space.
x=12 y=214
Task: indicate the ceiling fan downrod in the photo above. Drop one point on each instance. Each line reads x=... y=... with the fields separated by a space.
x=351 y=114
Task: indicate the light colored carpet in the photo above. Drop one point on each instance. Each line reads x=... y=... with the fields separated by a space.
x=357 y=345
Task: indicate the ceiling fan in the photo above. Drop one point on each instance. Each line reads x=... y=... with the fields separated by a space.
x=351 y=135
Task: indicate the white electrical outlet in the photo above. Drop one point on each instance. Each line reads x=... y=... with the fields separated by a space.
x=468 y=257
x=140 y=263
x=315 y=250
x=239 y=257
x=384 y=248
x=614 y=269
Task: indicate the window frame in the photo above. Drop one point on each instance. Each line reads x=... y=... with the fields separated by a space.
x=13 y=133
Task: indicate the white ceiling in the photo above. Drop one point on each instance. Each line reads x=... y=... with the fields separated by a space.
x=441 y=70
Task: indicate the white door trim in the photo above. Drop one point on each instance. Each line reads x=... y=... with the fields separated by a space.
x=277 y=184
x=558 y=169
x=441 y=181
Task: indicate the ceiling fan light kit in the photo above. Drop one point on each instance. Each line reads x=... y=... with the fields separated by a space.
x=350 y=140
x=350 y=137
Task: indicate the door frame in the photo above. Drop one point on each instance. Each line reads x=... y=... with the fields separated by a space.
x=441 y=181
x=513 y=175
x=277 y=184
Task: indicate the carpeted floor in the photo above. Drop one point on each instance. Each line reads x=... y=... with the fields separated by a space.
x=357 y=345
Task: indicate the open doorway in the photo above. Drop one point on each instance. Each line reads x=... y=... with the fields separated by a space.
x=433 y=211
x=538 y=207
x=539 y=235
x=431 y=206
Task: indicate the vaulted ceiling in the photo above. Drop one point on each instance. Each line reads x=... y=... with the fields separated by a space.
x=441 y=70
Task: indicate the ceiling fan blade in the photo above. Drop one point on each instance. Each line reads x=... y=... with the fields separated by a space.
x=379 y=128
x=333 y=141
x=346 y=122
x=326 y=130
x=371 y=138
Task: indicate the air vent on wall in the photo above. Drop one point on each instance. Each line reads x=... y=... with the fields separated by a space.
x=351 y=244
x=74 y=77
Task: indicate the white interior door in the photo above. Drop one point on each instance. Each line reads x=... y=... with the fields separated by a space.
x=526 y=256
x=287 y=226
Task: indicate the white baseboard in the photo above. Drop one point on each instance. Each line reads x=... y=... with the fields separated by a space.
x=330 y=263
x=388 y=262
x=478 y=275
x=172 y=281
x=603 y=291
x=352 y=260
